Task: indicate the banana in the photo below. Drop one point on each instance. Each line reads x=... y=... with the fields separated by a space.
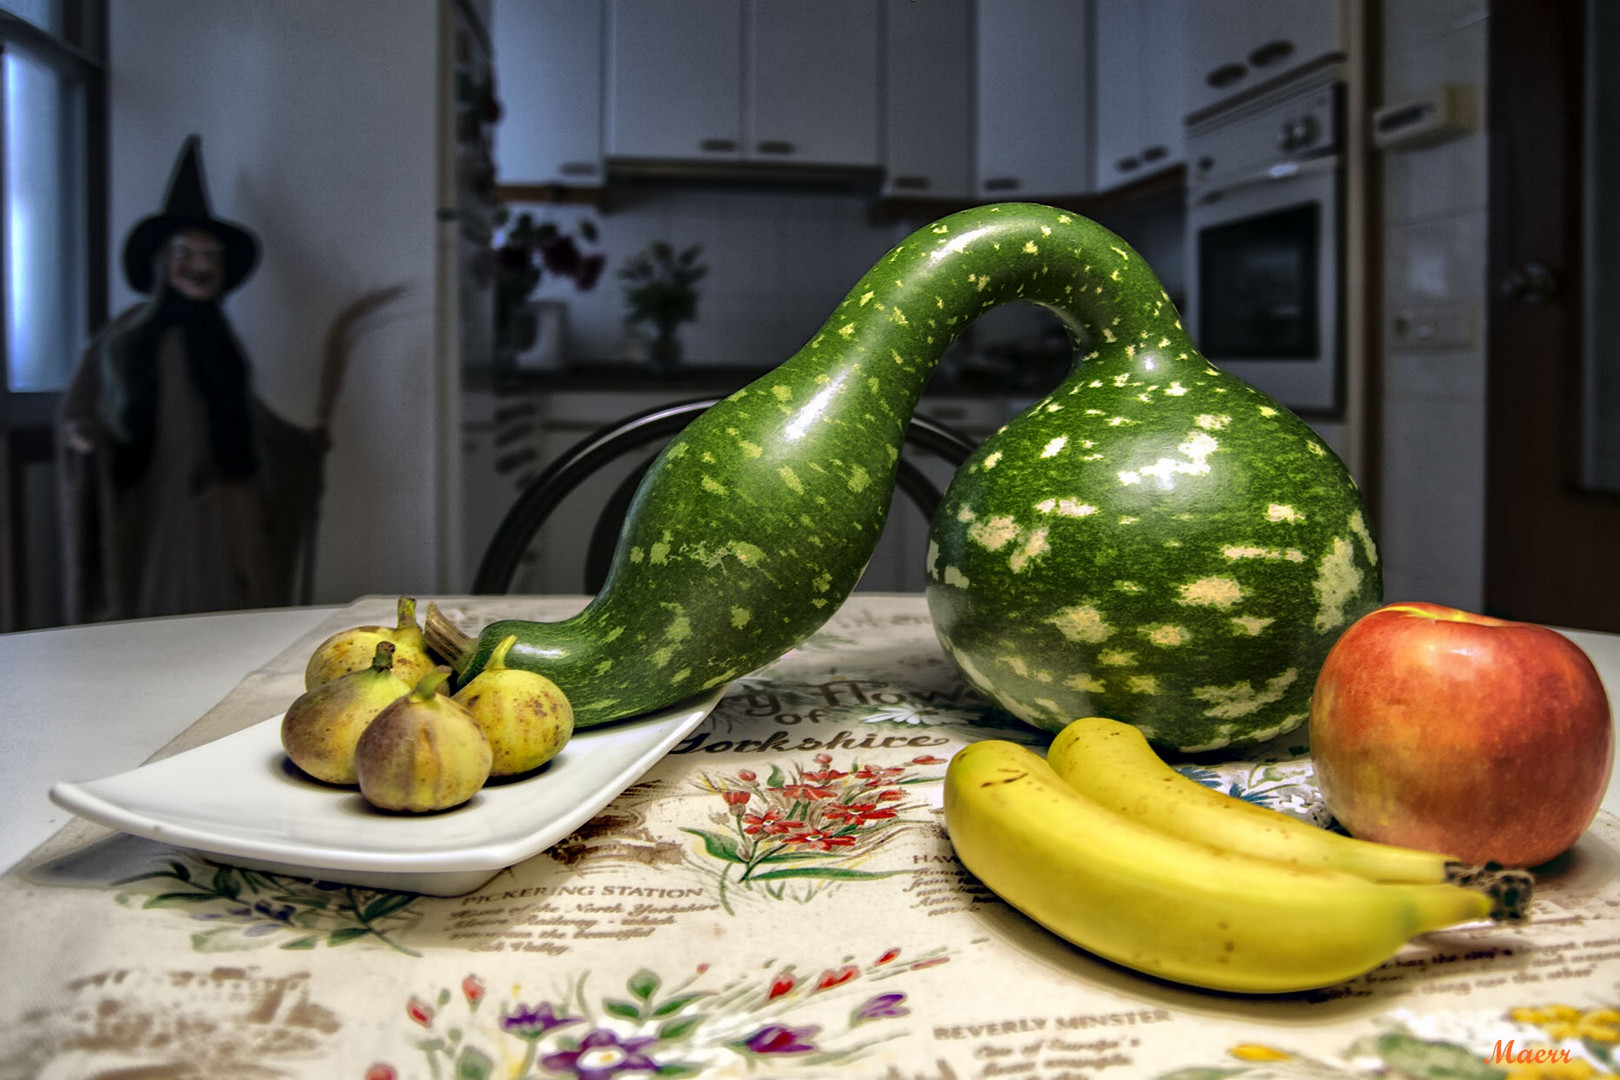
x=1170 y=907
x=1113 y=764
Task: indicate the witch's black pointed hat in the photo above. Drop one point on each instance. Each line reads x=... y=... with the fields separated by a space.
x=186 y=207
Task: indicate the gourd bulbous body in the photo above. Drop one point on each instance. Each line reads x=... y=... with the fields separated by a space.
x=754 y=524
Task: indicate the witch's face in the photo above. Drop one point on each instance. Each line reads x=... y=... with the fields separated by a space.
x=196 y=265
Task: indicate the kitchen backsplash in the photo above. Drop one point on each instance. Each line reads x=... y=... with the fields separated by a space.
x=779 y=262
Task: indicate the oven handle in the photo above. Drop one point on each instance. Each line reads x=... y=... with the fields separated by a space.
x=1272 y=174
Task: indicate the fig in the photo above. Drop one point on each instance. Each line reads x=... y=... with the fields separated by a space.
x=351 y=649
x=321 y=727
x=525 y=716
x=424 y=752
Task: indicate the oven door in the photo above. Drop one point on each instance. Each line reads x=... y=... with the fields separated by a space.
x=1264 y=283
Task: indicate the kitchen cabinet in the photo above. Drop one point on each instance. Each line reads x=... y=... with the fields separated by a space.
x=928 y=98
x=744 y=80
x=1235 y=45
x=1141 y=48
x=549 y=59
x=1034 y=97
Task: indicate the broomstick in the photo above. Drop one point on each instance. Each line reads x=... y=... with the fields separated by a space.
x=340 y=340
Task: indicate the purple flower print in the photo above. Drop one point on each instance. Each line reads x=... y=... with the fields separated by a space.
x=778 y=1039
x=882 y=1007
x=601 y=1055
x=535 y=1023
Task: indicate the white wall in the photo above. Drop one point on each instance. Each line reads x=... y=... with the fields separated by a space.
x=1432 y=514
x=319 y=132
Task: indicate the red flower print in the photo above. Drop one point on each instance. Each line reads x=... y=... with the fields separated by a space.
x=821 y=841
x=747 y=776
x=823 y=759
x=420 y=1011
x=474 y=989
x=857 y=813
x=830 y=978
x=875 y=775
x=808 y=792
x=380 y=1071
x=928 y=759
x=888 y=956
x=771 y=823
x=890 y=795
x=736 y=798
x=781 y=985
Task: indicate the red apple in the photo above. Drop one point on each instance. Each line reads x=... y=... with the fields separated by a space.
x=1479 y=738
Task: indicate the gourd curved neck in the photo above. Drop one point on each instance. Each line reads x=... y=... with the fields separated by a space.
x=901 y=316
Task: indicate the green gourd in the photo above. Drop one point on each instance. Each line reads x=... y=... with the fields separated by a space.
x=754 y=524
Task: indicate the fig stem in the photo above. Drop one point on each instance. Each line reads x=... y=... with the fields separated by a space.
x=383 y=658
x=497 y=657
x=428 y=685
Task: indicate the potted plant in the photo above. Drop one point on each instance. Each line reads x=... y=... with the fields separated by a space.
x=660 y=287
x=526 y=253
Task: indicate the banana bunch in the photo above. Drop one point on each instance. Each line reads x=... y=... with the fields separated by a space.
x=1111 y=849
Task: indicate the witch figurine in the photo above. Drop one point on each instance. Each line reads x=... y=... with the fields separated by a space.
x=182 y=490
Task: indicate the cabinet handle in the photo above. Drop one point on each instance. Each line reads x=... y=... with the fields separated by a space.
x=1226 y=75
x=774 y=146
x=718 y=146
x=1155 y=153
x=577 y=168
x=1126 y=164
x=1272 y=52
x=1000 y=183
x=910 y=183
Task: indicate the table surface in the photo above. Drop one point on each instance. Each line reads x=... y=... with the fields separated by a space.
x=87 y=702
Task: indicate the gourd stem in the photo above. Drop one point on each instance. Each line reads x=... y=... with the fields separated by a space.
x=406 y=609
x=446 y=639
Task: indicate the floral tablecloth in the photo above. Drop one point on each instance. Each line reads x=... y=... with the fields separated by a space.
x=776 y=898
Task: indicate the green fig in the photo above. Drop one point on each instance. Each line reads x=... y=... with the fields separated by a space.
x=423 y=752
x=526 y=718
x=351 y=649
x=321 y=727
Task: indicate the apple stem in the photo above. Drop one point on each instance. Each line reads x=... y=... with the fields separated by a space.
x=1510 y=890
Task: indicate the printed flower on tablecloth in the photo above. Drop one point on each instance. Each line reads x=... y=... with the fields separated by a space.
x=243 y=908
x=777 y=1021
x=800 y=830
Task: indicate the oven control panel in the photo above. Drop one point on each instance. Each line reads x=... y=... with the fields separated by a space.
x=1264 y=138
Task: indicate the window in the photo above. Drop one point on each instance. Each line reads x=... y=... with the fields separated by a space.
x=46 y=92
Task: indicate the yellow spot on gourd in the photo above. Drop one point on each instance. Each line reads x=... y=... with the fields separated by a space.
x=990 y=462
x=658 y=554
x=1142 y=684
x=1083 y=623
x=993 y=534
x=1116 y=658
x=1167 y=636
x=1030 y=248
x=753 y=450
x=713 y=486
x=791 y=479
x=866 y=296
x=847 y=330
x=1034 y=547
x=1251 y=625
x=858 y=478
x=782 y=393
x=1053 y=448
x=740 y=617
x=1279 y=513
x=1218 y=592
x=1242 y=699
x=1086 y=683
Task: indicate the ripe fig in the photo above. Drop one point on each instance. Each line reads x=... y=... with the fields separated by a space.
x=351 y=649
x=321 y=727
x=423 y=752
x=525 y=716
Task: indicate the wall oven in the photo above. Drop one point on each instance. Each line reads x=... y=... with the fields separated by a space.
x=1264 y=229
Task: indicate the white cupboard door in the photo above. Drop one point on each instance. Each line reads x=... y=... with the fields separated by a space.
x=928 y=99
x=548 y=63
x=813 y=79
x=1121 y=108
x=675 y=79
x=1034 y=124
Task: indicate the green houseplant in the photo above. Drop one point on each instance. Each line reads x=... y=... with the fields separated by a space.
x=660 y=287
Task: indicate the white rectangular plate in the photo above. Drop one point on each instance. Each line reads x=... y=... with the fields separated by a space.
x=240 y=799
